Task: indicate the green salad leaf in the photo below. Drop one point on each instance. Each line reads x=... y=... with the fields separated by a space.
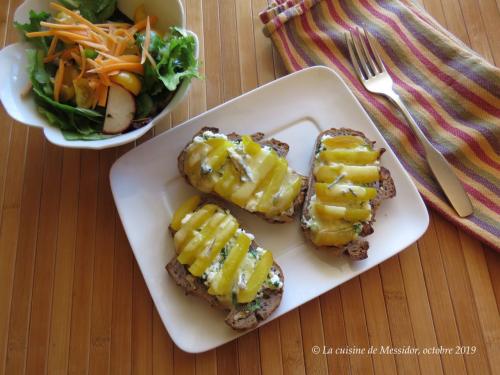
x=174 y=56
x=34 y=25
x=93 y=10
x=80 y=121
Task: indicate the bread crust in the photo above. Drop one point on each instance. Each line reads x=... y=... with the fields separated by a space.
x=281 y=149
x=240 y=316
x=358 y=248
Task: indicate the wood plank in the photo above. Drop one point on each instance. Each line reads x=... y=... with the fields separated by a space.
x=377 y=320
x=184 y=363
x=263 y=46
x=228 y=359
x=461 y=296
x=355 y=326
x=9 y=229
x=473 y=22
x=231 y=84
x=334 y=331
x=121 y=329
x=440 y=301
x=206 y=363
x=163 y=348
x=102 y=294
x=270 y=349
x=399 y=316
x=291 y=343
x=25 y=259
x=60 y=324
x=197 y=94
x=142 y=325
x=246 y=45
x=79 y=347
x=312 y=335
x=493 y=262
x=454 y=20
x=419 y=309
x=249 y=353
x=484 y=298
x=490 y=14
x=41 y=306
x=213 y=54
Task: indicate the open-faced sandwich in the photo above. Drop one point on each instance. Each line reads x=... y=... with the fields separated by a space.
x=346 y=186
x=221 y=263
x=245 y=170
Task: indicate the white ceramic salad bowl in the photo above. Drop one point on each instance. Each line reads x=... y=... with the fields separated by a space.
x=13 y=65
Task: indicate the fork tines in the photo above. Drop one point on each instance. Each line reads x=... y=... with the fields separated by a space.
x=364 y=55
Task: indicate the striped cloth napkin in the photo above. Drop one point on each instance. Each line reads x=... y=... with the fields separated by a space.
x=453 y=94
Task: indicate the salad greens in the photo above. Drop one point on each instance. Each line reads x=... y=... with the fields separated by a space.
x=95 y=11
x=174 y=61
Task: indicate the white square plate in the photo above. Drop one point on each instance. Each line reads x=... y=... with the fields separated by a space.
x=147 y=189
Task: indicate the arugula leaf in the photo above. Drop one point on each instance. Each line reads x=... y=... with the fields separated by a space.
x=34 y=25
x=144 y=105
x=94 y=10
x=85 y=122
x=75 y=136
x=175 y=56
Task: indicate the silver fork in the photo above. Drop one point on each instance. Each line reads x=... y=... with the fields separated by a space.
x=373 y=75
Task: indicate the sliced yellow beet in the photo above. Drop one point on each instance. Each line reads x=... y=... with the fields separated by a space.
x=223 y=281
x=217 y=156
x=261 y=167
x=230 y=178
x=201 y=239
x=327 y=173
x=287 y=196
x=188 y=206
x=340 y=193
x=327 y=212
x=251 y=147
x=343 y=141
x=361 y=174
x=216 y=142
x=195 y=221
x=256 y=279
x=227 y=230
x=277 y=176
x=333 y=237
x=357 y=214
x=350 y=156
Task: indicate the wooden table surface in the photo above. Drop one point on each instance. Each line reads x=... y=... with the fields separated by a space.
x=72 y=298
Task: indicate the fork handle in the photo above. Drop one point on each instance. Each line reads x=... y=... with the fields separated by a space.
x=441 y=169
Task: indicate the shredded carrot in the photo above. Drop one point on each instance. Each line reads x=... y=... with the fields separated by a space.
x=103 y=97
x=94 y=45
x=115 y=24
x=58 y=80
x=111 y=57
x=105 y=79
x=130 y=58
x=50 y=58
x=142 y=24
x=67 y=53
x=131 y=67
x=81 y=19
x=63 y=26
x=52 y=46
x=145 y=47
x=37 y=34
x=83 y=62
x=92 y=62
x=121 y=47
x=70 y=36
x=76 y=57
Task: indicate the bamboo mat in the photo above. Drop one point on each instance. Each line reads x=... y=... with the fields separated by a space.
x=72 y=298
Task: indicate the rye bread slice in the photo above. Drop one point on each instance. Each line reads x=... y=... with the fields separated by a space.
x=358 y=248
x=281 y=149
x=239 y=316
